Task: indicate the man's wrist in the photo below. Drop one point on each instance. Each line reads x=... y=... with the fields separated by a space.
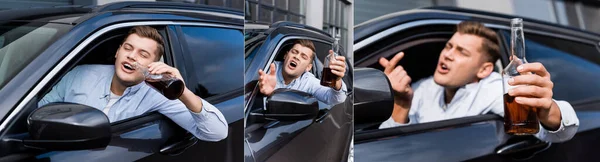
x=550 y=118
x=192 y=102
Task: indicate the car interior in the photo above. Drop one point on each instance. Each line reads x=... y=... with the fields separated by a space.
x=421 y=51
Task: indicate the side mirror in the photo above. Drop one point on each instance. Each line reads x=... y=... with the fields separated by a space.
x=373 y=97
x=291 y=105
x=68 y=126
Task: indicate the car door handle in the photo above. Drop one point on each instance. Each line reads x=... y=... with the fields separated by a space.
x=523 y=149
x=178 y=147
x=322 y=115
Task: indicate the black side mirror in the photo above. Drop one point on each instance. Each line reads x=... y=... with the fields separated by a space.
x=373 y=97
x=291 y=105
x=68 y=126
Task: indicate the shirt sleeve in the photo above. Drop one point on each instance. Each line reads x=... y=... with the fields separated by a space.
x=324 y=94
x=58 y=92
x=568 y=125
x=208 y=124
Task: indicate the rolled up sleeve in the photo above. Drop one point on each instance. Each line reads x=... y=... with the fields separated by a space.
x=208 y=124
x=568 y=126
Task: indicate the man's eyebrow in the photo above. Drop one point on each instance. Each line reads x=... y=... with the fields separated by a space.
x=460 y=48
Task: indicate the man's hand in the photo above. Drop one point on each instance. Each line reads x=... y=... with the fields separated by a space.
x=188 y=98
x=162 y=68
x=338 y=68
x=401 y=85
x=267 y=82
x=535 y=90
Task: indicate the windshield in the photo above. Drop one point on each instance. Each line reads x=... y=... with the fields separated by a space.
x=21 y=42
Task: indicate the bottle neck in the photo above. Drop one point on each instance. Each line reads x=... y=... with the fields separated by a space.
x=518 y=42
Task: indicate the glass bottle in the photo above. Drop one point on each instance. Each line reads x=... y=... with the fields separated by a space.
x=518 y=119
x=170 y=87
x=329 y=79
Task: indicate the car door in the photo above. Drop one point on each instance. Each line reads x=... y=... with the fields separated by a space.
x=148 y=137
x=273 y=140
x=475 y=138
x=573 y=63
x=209 y=61
x=329 y=138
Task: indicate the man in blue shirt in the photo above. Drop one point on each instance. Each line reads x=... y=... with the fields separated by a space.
x=120 y=92
x=294 y=73
x=464 y=84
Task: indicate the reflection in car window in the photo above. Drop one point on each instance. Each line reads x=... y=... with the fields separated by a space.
x=20 y=44
x=578 y=81
x=215 y=58
x=253 y=42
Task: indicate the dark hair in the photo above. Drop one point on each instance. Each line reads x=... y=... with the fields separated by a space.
x=490 y=38
x=151 y=33
x=308 y=44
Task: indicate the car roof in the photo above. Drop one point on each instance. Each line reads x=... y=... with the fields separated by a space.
x=373 y=26
x=75 y=14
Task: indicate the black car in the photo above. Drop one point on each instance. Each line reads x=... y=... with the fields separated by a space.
x=571 y=56
x=40 y=45
x=292 y=125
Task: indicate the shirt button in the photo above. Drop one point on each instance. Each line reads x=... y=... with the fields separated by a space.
x=566 y=121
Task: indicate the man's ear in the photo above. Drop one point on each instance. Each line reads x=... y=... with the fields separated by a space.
x=309 y=67
x=116 y=52
x=485 y=70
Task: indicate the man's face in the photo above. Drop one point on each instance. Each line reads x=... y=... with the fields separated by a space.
x=460 y=61
x=134 y=49
x=297 y=61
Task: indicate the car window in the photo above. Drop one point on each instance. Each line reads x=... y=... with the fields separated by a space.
x=20 y=44
x=214 y=60
x=578 y=82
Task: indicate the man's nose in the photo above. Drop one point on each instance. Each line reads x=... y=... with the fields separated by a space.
x=130 y=55
x=449 y=54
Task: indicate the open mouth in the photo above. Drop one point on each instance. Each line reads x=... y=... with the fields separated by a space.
x=128 y=66
x=443 y=68
x=293 y=64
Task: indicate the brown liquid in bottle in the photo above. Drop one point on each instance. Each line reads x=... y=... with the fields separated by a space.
x=328 y=79
x=519 y=119
x=171 y=89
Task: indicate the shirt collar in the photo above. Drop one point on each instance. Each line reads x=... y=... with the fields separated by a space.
x=460 y=93
x=128 y=91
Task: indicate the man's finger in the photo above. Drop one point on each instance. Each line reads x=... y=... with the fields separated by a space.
x=340 y=58
x=394 y=61
x=272 y=72
x=534 y=102
x=336 y=67
x=405 y=81
x=529 y=91
x=385 y=63
x=337 y=73
x=261 y=72
x=535 y=67
x=529 y=80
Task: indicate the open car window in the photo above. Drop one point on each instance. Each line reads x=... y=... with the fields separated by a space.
x=101 y=51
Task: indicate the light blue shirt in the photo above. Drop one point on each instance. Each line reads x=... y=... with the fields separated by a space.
x=310 y=84
x=90 y=85
x=485 y=96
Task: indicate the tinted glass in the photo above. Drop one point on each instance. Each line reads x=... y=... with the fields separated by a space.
x=573 y=66
x=20 y=43
x=214 y=63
